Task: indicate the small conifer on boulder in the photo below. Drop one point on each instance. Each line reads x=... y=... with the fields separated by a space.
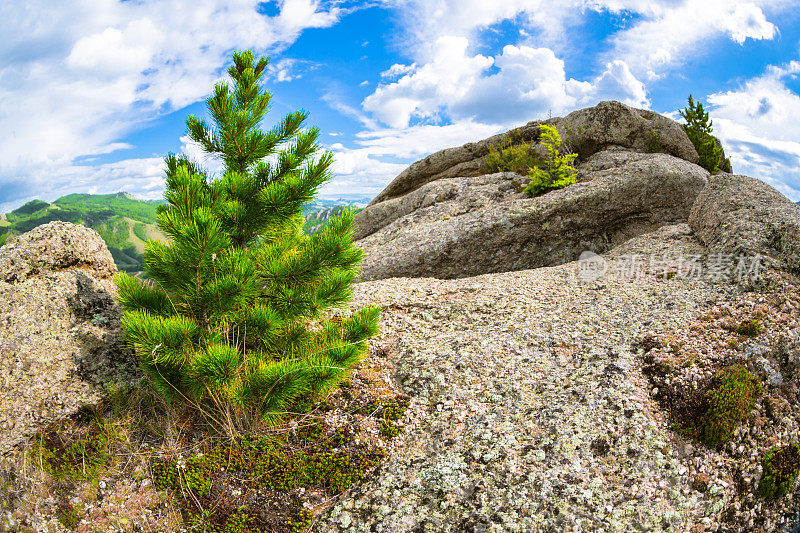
x=231 y=313
x=556 y=170
x=698 y=128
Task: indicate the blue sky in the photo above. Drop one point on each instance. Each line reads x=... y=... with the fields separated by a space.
x=94 y=93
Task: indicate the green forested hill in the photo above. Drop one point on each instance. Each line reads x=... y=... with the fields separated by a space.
x=316 y=217
x=123 y=222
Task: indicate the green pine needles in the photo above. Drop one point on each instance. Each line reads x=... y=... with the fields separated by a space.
x=699 y=127
x=231 y=314
x=556 y=170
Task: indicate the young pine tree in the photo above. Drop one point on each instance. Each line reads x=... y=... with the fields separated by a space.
x=233 y=307
x=556 y=170
x=698 y=128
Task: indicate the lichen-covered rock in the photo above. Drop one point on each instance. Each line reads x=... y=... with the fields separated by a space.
x=59 y=328
x=586 y=131
x=52 y=247
x=741 y=215
x=529 y=411
x=621 y=195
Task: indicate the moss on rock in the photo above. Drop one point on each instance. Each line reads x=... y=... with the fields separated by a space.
x=781 y=464
x=712 y=414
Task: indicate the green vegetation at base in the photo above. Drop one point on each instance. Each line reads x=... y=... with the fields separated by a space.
x=749 y=328
x=780 y=466
x=388 y=412
x=262 y=466
x=77 y=448
x=69 y=516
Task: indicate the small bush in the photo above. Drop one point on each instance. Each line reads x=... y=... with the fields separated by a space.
x=653 y=143
x=556 y=171
x=780 y=464
x=711 y=414
x=514 y=155
x=698 y=128
x=749 y=328
x=729 y=402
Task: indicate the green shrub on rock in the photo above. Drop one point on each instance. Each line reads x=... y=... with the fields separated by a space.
x=231 y=315
x=749 y=328
x=513 y=155
x=780 y=465
x=711 y=413
x=556 y=170
x=730 y=401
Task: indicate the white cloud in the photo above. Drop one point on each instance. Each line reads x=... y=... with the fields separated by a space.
x=748 y=22
x=289 y=69
x=297 y=15
x=520 y=84
x=381 y=154
x=759 y=125
x=77 y=76
x=672 y=32
x=397 y=70
x=424 y=90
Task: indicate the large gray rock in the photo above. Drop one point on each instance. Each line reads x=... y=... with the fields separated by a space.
x=607 y=124
x=455 y=196
x=59 y=328
x=585 y=131
x=742 y=215
x=621 y=195
x=52 y=247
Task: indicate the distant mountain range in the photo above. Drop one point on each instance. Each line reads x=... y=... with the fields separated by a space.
x=125 y=223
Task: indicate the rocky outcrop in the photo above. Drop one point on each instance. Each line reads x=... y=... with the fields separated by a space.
x=587 y=131
x=443 y=217
x=53 y=247
x=494 y=228
x=741 y=215
x=59 y=328
x=455 y=196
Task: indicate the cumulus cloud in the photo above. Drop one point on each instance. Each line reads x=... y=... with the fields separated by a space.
x=748 y=22
x=289 y=69
x=759 y=124
x=77 y=76
x=670 y=32
x=397 y=70
x=517 y=85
